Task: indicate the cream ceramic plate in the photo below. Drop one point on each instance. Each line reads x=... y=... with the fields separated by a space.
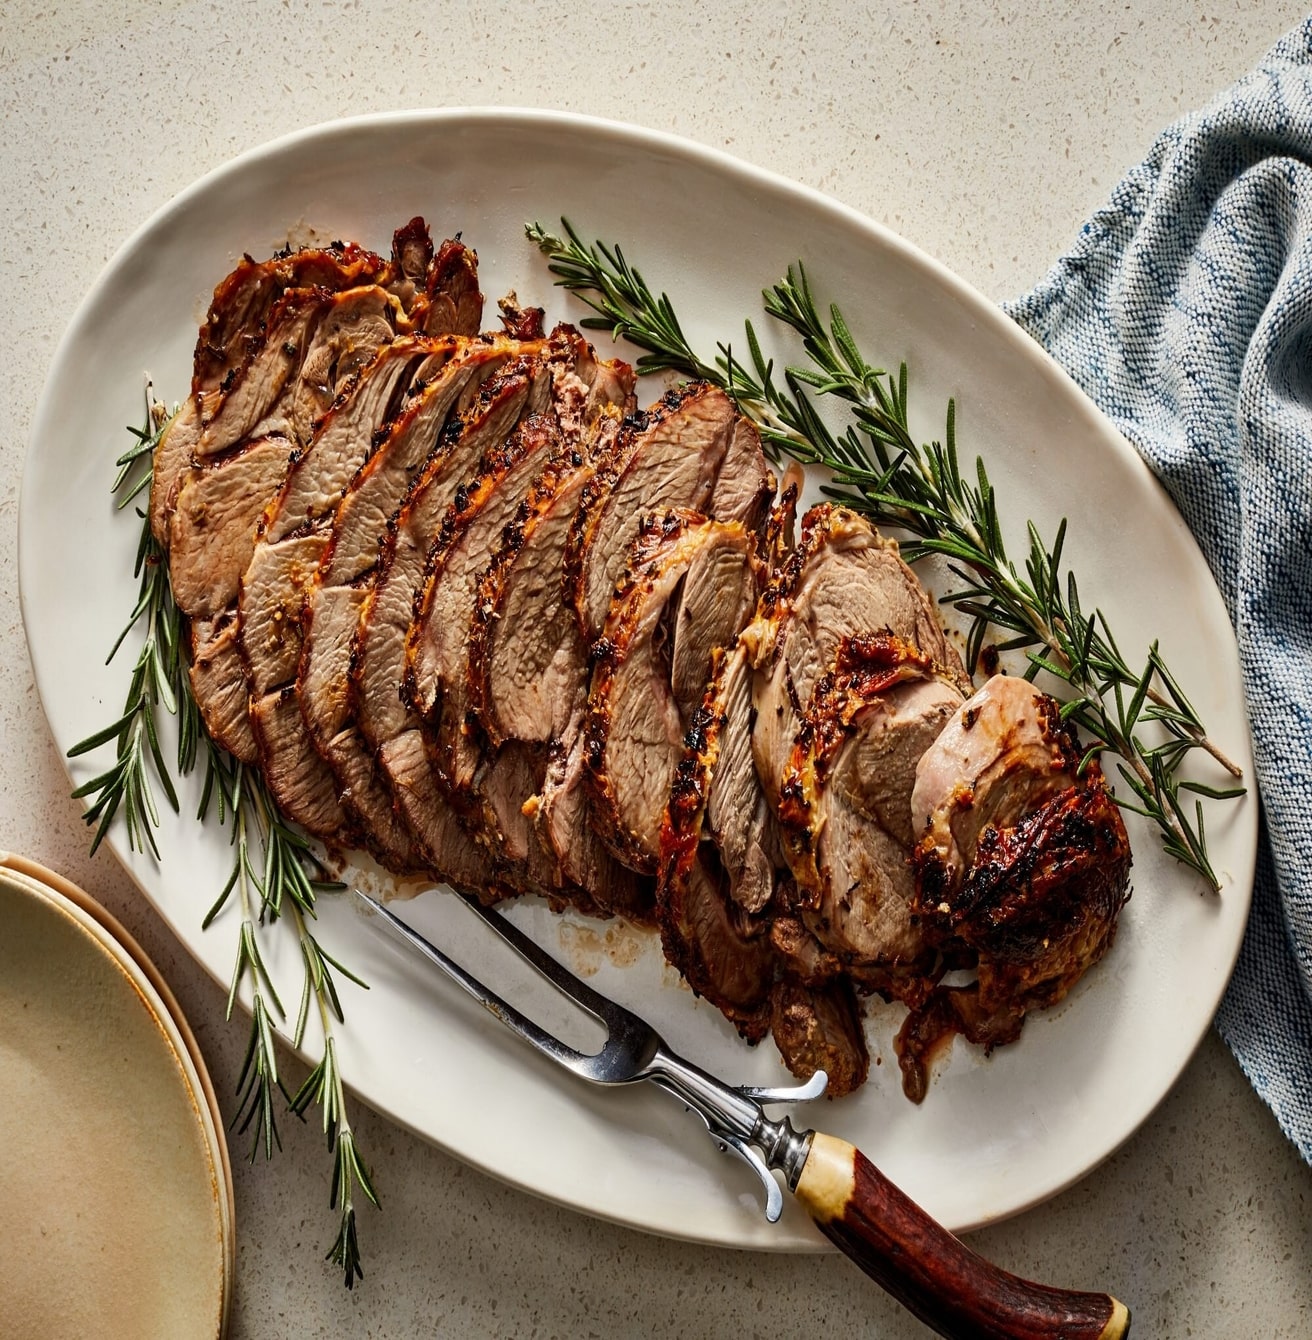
x=993 y=1135
x=115 y=1197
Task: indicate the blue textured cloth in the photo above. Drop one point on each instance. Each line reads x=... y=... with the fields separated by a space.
x=1184 y=310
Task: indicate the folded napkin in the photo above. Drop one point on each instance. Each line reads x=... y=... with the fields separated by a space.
x=1184 y=310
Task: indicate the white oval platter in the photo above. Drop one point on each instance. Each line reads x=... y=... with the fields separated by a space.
x=994 y=1135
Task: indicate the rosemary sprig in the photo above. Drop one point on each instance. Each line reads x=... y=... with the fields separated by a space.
x=284 y=886
x=323 y=1085
x=626 y=307
x=157 y=676
x=879 y=469
x=272 y=866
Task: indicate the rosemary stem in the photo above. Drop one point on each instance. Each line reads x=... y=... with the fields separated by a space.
x=1200 y=738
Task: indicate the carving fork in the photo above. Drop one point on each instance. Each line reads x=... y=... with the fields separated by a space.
x=931 y=1272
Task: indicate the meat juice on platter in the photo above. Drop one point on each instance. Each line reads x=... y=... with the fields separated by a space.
x=468 y=607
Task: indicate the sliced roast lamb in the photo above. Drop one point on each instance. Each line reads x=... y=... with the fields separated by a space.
x=212 y=527
x=1002 y=756
x=1021 y=869
x=528 y=665
x=296 y=525
x=842 y=580
x=691 y=450
x=845 y=800
x=528 y=670
x=307 y=346
x=437 y=651
x=819 y=1027
x=235 y=328
x=462 y=604
x=852 y=670
x=739 y=819
x=433 y=438
x=239 y=311
x=358 y=463
x=690 y=586
x=718 y=853
x=493 y=779
x=255 y=394
x=559 y=374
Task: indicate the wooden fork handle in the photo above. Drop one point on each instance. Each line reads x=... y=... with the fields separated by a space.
x=949 y=1287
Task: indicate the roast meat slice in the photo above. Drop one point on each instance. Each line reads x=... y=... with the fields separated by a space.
x=843 y=580
x=313 y=332
x=672 y=456
x=491 y=784
x=1022 y=868
x=565 y=816
x=172 y=461
x=205 y=521
x=758 y=977
x=527 y=659
x=738 y=815
x=239 y=310
x=305 y=791
x=446 y=849
x=270 y=606
x=353 y=429
x=845 y=799
x=210 y=528
x=213 y=525
x=440 y=292
x=217 y=681
x=296 y=524
x=819 y=1028
x=528 y=673
x=684 y=570
x=451 y=303
x=1000 y=757
x=315 y=341
x=507 y=781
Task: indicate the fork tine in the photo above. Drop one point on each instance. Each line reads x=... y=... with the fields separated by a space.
x=531 y=1032
x=602 y=1008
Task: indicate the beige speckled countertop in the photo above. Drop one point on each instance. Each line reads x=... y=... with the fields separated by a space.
x=984 y=133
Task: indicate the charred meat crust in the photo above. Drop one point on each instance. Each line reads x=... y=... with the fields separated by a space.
x=1037 y=903
x=1040 y=900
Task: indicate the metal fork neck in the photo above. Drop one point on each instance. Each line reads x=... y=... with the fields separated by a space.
x=735 y=1117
